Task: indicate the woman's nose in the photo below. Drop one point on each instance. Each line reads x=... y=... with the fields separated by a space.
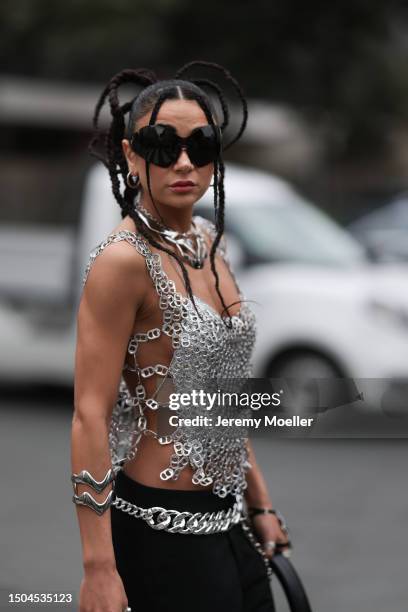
x=183 y=159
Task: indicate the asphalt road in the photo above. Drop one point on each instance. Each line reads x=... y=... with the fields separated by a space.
x=345 y=501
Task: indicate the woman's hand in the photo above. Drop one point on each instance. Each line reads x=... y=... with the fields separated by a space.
x=266 y=526
x=102 y=590
x=267 y=529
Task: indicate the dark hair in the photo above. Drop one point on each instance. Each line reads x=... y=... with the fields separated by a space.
x=150 y=98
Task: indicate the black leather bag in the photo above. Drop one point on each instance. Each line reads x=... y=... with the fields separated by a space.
x=290 y=582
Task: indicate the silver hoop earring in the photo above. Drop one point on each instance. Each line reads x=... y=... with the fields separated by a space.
x=132 y=181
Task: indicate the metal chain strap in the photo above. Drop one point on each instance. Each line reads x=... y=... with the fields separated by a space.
x=246 y=526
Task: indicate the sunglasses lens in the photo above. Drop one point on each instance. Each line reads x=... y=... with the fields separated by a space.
x=203 y=145
x=157 y=144
x=160 y=145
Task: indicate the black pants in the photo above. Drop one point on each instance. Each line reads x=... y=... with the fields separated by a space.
x=166 y=572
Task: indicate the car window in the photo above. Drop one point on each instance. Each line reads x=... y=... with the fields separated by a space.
x=296 y=233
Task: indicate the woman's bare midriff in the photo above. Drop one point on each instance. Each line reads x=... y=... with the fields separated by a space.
x=151 y=456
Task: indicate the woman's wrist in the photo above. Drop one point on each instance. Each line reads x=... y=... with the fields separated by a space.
x=93 y=564
x=258 y=499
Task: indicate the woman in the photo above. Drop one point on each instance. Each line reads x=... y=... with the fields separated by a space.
x=160 y=508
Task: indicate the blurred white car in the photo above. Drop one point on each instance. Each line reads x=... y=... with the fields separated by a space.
x=323 y=308
x=321 y=300
x=385 y=230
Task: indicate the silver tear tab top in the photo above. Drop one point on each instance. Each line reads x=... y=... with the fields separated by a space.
x=204 y=350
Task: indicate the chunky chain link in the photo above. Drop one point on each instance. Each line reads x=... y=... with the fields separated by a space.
x=175 y=521
x=198 y=523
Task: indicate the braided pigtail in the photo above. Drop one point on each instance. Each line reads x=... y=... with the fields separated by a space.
x=112 y=155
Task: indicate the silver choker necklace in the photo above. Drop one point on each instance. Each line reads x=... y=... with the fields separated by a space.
x=190 y=245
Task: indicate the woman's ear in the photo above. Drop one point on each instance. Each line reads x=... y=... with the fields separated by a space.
x=126 y=148
x=130 y=156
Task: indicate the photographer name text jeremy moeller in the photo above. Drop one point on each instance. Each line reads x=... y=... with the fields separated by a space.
x=255 y=422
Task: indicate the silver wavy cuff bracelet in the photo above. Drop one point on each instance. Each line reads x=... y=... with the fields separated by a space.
x=86 y=499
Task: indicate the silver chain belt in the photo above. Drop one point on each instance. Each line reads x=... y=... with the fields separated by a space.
x=175 y=521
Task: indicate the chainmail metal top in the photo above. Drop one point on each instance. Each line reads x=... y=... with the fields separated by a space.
x=203 y=350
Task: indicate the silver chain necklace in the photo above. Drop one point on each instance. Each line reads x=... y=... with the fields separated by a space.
x=190 y=245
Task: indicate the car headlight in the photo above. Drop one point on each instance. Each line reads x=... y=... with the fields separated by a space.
x=390 y=313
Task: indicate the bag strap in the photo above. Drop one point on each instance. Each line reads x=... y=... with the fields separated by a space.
x=291 y=583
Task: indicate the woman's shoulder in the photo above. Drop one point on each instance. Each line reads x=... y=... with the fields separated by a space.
x=204 y=223
x=114 y=283
x=120 y=254
x=211 y=230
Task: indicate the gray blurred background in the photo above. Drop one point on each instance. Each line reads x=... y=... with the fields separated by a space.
x=317 y=189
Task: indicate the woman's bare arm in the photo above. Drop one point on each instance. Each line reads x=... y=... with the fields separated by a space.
x=111 y=297
x=256 y=493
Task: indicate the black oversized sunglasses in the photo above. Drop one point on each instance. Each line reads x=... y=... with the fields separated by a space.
x=160 y=144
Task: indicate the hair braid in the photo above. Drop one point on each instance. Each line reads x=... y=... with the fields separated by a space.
x=221 y=98
x=218 y=206
x=235 y=85
x=112 y=157
x=142 y=229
